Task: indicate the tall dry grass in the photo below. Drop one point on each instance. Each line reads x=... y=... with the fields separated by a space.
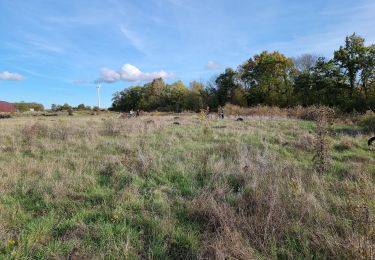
x=93 y=187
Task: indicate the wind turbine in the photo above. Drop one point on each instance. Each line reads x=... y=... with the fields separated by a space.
x=98 y=90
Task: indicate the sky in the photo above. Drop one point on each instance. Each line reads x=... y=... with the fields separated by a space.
x=53 y=52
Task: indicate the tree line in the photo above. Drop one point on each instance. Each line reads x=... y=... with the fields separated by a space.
x=27 y=106
x=347 y=81
x=66 y=107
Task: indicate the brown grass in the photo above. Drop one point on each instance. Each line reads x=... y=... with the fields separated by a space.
x=127 y=188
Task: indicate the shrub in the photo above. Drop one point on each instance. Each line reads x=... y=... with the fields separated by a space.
x=111 y=127
x=36 y=130
x=304 y=113
x=324 y=120
x=4 y=116
x=367 y=122
x=230 y=109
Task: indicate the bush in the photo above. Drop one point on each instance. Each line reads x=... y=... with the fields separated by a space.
x=230 y=109
x=367 y=122
x=4 y=116
x=35 y=131
x=304 y=113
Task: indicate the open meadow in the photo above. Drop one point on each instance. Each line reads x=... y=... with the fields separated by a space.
x=108 y=187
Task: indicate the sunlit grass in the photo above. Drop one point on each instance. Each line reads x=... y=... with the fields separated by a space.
x=108 y=187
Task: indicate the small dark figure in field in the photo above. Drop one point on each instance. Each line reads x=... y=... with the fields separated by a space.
x=239 y=119
x=176 y=123
x=207 y=111
x=137 y=113
x=221 y=112
x=371 y=140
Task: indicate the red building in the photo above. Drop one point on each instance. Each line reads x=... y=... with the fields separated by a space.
x=7 y=107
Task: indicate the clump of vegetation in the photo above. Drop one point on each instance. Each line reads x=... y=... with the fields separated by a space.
x=24 y=106
x=70 y=112
x=5 y=115
x=93 y=187
x=324 y=120
x=367 y=122
x=259 y=110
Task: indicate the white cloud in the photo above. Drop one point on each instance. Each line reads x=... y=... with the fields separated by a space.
x=131 y=73
x=133 y=39
x=213 y=65
x=10 y=76
x=109 y=75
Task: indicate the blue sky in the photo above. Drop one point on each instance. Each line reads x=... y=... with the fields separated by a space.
x=51 y=51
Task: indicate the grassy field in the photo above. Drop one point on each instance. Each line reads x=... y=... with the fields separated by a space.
x=104 y=187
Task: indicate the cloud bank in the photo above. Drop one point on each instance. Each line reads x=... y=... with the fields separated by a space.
x=130 y=73
x=6 y=75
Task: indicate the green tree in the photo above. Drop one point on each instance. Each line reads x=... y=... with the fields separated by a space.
x=323 y=84
x=350 y=58
x=128 y=99
x=303 y=89
x=81 y=107
x=368 y=75
x=66 y=106
x=239 y=97
x=152 y=98
x=328 y=84
x=271 y=74
x=357 y=62
x=174 y=96
x=194 y=98
x=226 y=84
x=210 y=96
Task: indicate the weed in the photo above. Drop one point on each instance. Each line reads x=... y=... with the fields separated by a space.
x=324 y=120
